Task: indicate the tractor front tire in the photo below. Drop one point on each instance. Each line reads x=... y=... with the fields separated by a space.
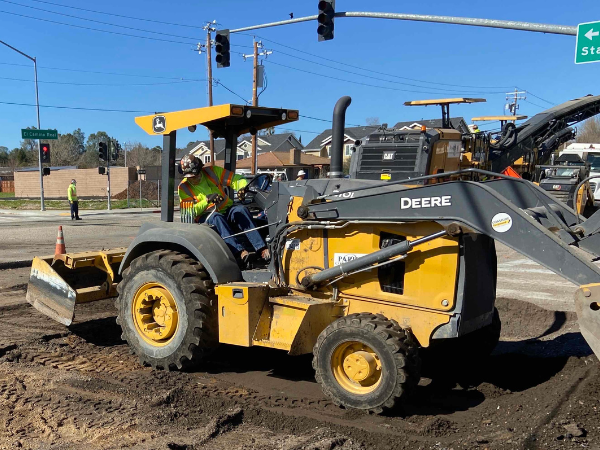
x=166 y=310
x=366 y=361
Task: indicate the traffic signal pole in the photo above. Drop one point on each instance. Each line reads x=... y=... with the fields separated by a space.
x=110 y=150
x=209 y=30
x=37 y=105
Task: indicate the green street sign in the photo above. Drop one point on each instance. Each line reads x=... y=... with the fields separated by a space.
x=39 y=134
x=587 y=49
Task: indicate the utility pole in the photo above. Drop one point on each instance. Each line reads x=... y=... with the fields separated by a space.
x=515 y=97
x=209 y=29
x=37 y=106
x=254 y=103
x=255 y=85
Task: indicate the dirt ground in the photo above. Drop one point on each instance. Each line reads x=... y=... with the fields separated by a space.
x=79 y=387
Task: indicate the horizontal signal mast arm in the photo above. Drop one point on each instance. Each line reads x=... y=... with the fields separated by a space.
x=468 y=21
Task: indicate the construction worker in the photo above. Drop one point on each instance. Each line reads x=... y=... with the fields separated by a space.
x=204 y=186
x=73 y=202
x=476 y=129
x=301 y=175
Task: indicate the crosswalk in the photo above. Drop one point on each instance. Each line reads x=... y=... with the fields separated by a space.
x=525 y=280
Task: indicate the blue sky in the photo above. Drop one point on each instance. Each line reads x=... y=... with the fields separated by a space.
x=492 y=60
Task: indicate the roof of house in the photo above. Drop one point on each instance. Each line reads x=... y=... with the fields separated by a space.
x=268 y=160
x=458 y=123
x=219 y=147
x=352 y=132
x=275 y=141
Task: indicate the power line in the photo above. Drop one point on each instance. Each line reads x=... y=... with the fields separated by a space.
x=279 y=52
x=119 y=15
x=100 y=72
x=77 y=108
x=354 y=82
x=304 y=131
x=535 y=104
x=377 y=72
x=330 y=121
x=539 y=98
x=217 y=82
x=95 y=29
x=99 y=84
x=195 y=39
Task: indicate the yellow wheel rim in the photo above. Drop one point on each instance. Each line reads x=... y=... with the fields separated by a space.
x=155 y=314
x=356 y=367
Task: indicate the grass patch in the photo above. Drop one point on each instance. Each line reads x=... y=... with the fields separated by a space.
x=7 y=194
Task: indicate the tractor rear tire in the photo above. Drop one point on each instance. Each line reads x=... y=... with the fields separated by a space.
x=366 y=361
x=167 y=293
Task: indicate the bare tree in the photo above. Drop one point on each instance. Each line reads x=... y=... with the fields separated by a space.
x=372 y=121
x=590 y=131
x=140 y=155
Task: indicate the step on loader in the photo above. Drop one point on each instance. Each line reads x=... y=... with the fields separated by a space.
x=363 y=273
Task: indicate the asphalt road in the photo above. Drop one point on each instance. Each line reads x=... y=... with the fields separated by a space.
x=24 y=236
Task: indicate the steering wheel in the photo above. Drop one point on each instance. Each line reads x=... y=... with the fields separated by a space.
x=260 y=183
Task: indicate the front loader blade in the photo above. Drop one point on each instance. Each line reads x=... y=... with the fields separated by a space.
x=587 y=306
x=49 y=293
x=58 y=283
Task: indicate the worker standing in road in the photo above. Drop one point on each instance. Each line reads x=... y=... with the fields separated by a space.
x=204 y=186
x=72 y=196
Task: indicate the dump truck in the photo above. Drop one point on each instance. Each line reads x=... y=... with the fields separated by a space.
x=363 y=274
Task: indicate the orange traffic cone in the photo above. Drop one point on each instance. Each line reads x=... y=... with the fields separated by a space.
x=60 y=243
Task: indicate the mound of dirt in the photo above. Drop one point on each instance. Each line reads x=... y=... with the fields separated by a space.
x=149 y=191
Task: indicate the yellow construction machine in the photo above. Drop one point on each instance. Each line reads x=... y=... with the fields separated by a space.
x=363 y=273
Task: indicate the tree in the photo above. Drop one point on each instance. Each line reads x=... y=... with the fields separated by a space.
x=4 y=156
x=95 y=138
x=89 y=159
x=65 y=151
x=80 y=136
x=590 y=131
x=140 y=155
x=28 y=153
x=372 y=121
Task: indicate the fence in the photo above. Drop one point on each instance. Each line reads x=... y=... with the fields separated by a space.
x=7 y=186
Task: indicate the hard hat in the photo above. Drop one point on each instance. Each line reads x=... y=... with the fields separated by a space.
x=475 y=127
x=73 y=181
x=301 y=172
x=191 y=166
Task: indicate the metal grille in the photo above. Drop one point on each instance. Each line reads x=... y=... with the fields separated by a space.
x=562 y=196
x=404 y=159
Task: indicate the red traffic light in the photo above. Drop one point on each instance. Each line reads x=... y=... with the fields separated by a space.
x=45 y=152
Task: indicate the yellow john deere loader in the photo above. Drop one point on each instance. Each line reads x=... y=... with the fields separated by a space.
x=363 y=273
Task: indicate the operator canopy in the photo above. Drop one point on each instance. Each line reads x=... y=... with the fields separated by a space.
x=242 y=118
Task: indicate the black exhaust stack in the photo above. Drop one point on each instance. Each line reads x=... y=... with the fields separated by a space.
x=336 y=168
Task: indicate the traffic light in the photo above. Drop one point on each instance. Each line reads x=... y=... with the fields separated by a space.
x=101 y=170
x=45 y=153
x=46 y=171
x=116 y=149
x=222 y=48
x=103 y=151
x=325 y=19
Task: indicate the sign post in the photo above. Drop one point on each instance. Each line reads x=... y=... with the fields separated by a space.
x=587 y=49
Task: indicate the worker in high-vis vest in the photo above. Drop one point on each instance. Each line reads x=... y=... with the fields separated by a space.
x=72 y=196
x=204 y=189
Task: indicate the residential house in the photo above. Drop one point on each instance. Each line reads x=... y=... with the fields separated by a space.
x=201 y=149
x=282 y=142
x=458 y=123
x=321 y=145
x=265 y=143
x=291 y=162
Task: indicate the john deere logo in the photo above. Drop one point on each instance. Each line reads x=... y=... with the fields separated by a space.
x=159 y=124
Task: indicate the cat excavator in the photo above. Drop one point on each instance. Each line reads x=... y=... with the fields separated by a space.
x=363 y=275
